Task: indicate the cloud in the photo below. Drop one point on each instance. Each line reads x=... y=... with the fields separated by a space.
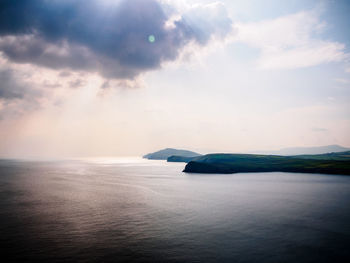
x=315 y=129
x=17 y=94
x=201 y=22
x=9 y=88
x=291 y=41
x=48 y=48
x=77 y=83
x=111 y=39
x=64 y=74
x=123 y=83
x=342 y=81
x=13 y=88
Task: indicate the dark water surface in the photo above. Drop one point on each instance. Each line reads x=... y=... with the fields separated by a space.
x=128 y=210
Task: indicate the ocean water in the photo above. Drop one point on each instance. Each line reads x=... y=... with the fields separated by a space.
x=134 y=210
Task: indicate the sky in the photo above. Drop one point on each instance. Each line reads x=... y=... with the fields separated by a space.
x=127 y=77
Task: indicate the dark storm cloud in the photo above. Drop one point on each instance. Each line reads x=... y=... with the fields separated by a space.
x=110 y=39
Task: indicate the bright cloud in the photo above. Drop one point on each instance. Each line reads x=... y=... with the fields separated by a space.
x=342 y=81
x=290 y=41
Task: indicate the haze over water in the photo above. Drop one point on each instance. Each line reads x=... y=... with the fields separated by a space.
x=113 y=210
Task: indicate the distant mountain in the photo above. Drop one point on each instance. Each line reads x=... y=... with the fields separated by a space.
x=166 y=153
x=306 y=150
x=335 y=163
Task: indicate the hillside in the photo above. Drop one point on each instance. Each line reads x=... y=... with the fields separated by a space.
x=340 y=156
x=306 y=150
x=180 y=159
x=237 y=163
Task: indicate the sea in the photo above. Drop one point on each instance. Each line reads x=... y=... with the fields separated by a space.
x=137 y=210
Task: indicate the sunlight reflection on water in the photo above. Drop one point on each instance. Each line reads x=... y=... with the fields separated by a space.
x=132 y=209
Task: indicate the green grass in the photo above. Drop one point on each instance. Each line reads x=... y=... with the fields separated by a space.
x=337 y=163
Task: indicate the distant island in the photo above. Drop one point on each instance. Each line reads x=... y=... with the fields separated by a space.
x=180 y=159
x=168 y=152
x=329 y=163
x=224 y=163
